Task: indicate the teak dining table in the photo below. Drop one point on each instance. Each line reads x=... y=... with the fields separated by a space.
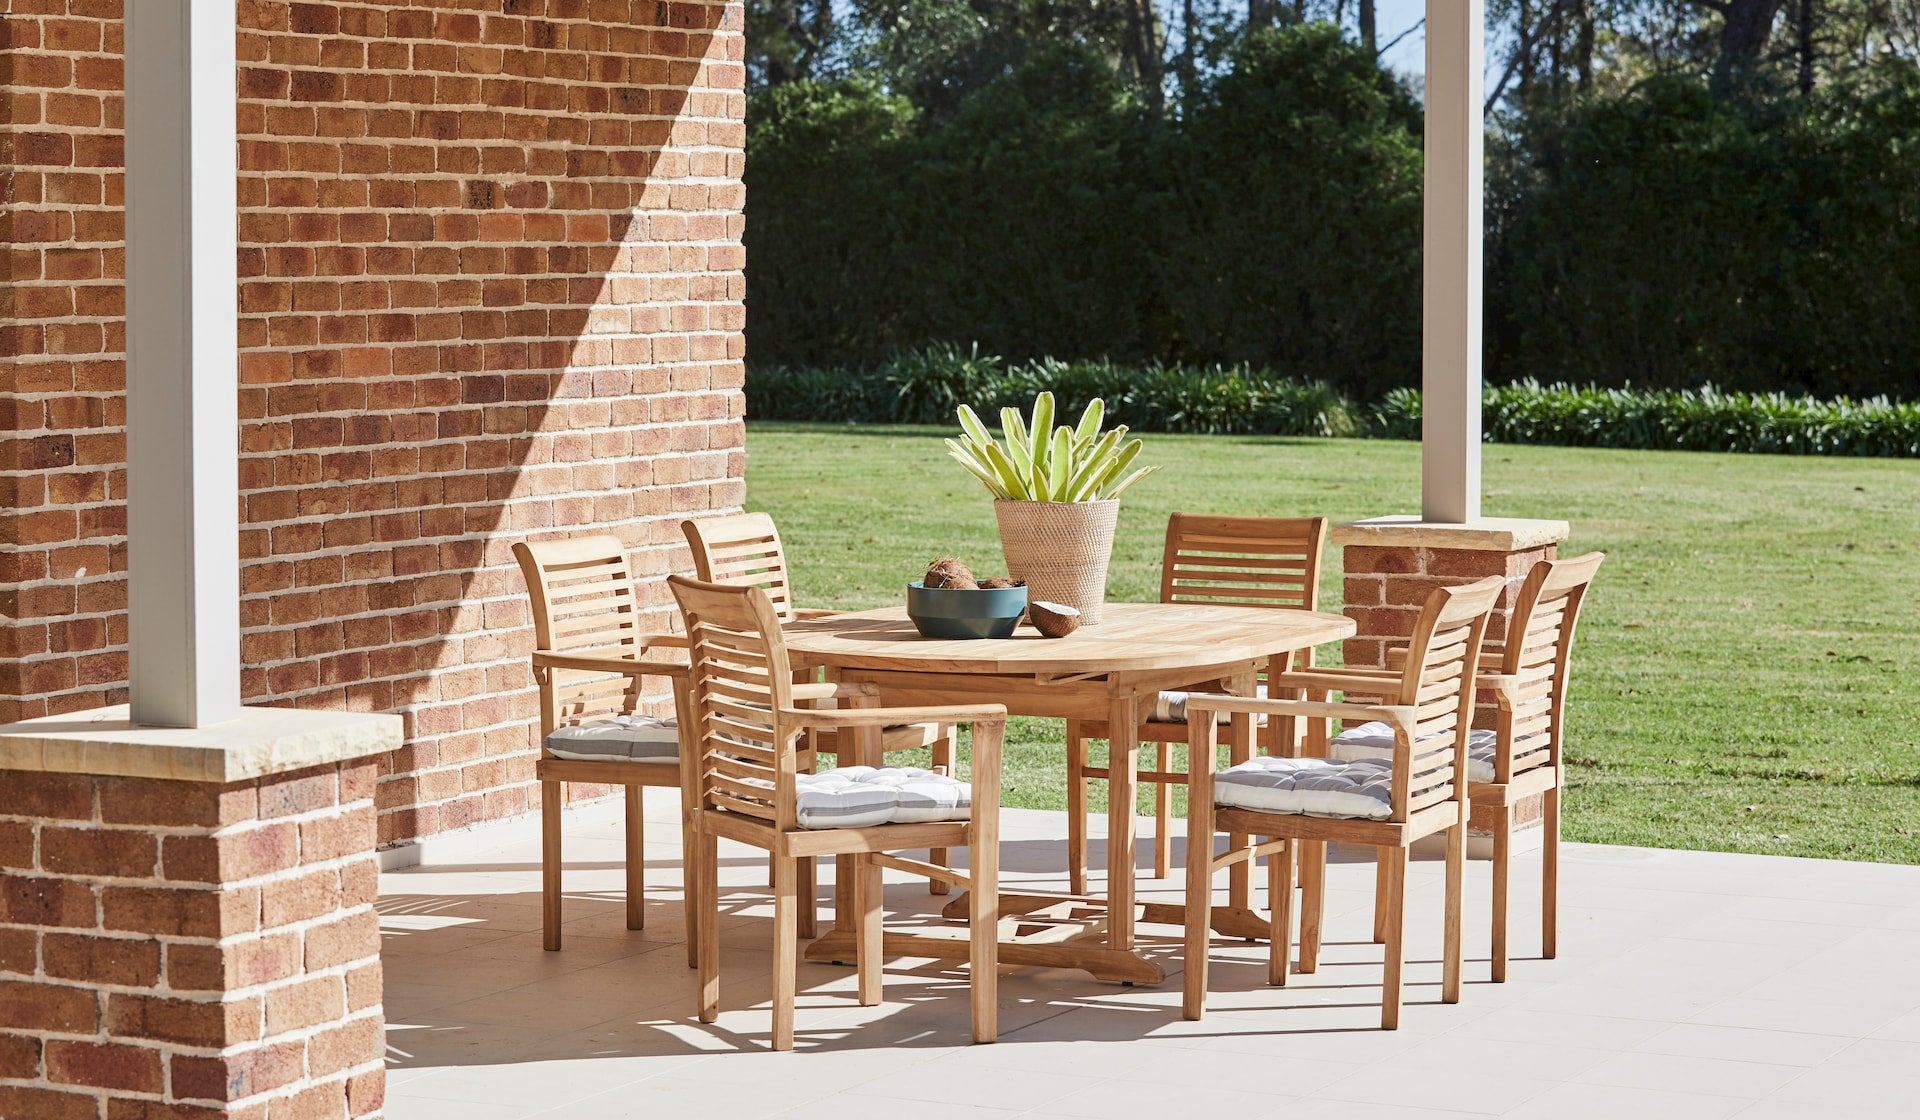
x=1111 y=672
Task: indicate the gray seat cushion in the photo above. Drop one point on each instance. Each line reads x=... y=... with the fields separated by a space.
x=620 y=739
x=1375 y=740
x=865 y=796
x=1314 y=787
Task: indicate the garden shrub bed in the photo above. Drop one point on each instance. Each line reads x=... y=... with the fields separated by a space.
x=925 y=386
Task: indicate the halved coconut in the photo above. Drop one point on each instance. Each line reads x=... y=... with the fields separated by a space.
x=1053 y=620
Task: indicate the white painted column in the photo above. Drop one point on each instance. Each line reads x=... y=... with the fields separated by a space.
x=183 y=545
x=1451 y=268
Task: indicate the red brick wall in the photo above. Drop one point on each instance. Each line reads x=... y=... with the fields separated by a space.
x=490 y=287
x=184 y=949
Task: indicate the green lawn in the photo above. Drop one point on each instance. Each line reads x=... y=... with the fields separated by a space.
x=1748 y=674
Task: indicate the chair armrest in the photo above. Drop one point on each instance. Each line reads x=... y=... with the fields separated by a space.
x=1370 y=681
x=834 y=690
x=1202 y=703
x=802 y=614
x=602 y=663
x=831 y=718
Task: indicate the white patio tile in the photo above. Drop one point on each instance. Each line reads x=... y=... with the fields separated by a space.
x=1613 y=1102
x=1455 y=1090
x=1009 y=1089
x=1847 y=1020
x=1744 y=1044
x=1689 y=984
x=1669 y=1073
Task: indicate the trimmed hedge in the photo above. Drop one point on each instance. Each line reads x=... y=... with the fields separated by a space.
x=926 y=386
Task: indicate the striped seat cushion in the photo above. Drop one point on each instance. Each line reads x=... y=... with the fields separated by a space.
x=864 y=796
x=1375 y=741
x=1314 y=787
x=620 y=739
x=1171 y=707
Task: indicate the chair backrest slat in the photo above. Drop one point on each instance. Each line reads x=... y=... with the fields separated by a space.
x=742 y=549
x=1538 y=647
x=583 y=601
x=1248 y=561
x=743 y=757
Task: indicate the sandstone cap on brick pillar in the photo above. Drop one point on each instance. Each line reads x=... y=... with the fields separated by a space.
x=1496 y=534
x=186 y=915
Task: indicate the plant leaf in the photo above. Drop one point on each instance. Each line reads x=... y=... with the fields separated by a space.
x=971 y=424
x=1061 y=465
x=1131 y=479
x=1090 y=421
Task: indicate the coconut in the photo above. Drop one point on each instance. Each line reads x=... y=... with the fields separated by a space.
x=998 y=582
x=950 y=573
x=1053 y=620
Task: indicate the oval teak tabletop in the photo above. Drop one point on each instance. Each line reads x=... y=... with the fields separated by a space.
x=1132 y=637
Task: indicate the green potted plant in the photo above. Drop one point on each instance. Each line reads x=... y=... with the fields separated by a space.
x=1056 y=494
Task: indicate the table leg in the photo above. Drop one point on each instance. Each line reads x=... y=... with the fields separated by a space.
x=855 y=747
x=1239 y=749
x=1123 y=756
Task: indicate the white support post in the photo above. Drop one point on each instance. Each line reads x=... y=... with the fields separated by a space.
x=1451 y=268
x=183 y=544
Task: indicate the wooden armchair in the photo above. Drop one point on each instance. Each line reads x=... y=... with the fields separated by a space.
x=748 y=786
x=1522 y=757
x=1386 y=803
x=589 y=660
x=745 y=549
x=1229 y=561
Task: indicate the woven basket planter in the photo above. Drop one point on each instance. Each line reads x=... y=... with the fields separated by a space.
x=1061 y=549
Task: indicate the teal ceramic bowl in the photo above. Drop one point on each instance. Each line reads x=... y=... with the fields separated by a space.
x=946 y=612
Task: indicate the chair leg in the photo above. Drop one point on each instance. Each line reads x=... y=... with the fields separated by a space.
x=1396 y=861
x=709 y=952
x=1076 y=809
x=786 y=946
x=552 y=795
x=1550 y=874
x=636 y=859
x=1380 y=876
x=1456 y=879
x=983 y=933
x=1163 y=813
x=866 y=905
x=807 y=917
x=1502 y=853
x=1313 y=900
x=692 y=880
x=1193 y=995
x=943 y=751
x=1280 y=912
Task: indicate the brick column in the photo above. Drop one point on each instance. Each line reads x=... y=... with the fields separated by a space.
x=190 y=949
x=1392 y=564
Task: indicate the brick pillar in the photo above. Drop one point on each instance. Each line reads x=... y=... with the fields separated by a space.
x=1392 y=564
x=190 y=949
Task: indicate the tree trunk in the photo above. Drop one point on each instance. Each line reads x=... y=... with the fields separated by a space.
x=1583 y=43
x=1369 y=35
x=1143 y=50
x=1526 y=45
x=1803 y=28
x=1745 y=27
x=1187 y=32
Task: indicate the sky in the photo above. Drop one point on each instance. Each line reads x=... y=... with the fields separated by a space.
x=1390 y=18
